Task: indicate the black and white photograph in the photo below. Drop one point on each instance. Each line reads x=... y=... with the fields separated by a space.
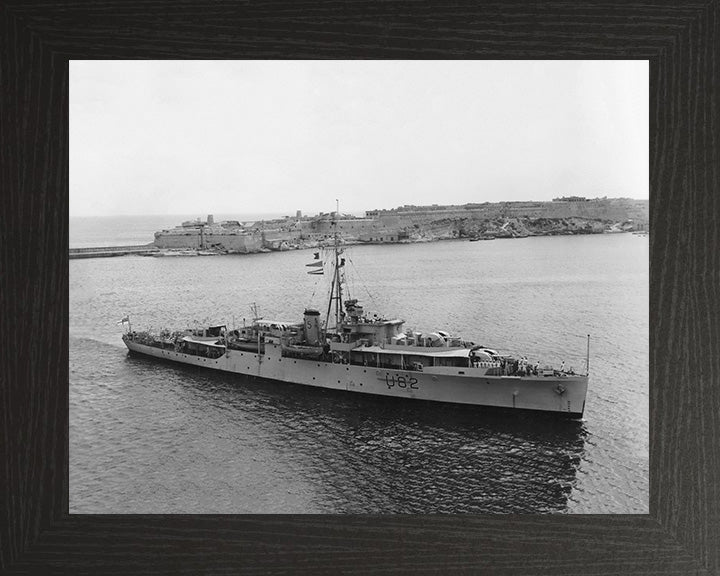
x=359 y=287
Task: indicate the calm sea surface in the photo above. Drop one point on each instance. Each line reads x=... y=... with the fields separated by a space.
x=150 y=437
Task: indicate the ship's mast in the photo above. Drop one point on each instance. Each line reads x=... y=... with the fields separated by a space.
x=338 y=285
x=254 y=309
x=587 y=357
x=336 y=288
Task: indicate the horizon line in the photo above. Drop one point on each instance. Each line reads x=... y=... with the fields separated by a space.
x=206 y=212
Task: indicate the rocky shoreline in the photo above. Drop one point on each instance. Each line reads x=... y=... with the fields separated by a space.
x=452 y=229
x=523 y=227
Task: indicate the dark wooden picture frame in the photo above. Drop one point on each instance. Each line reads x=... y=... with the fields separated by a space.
x=681 y=535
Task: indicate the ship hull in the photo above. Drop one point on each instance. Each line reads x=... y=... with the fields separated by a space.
x=564 y=394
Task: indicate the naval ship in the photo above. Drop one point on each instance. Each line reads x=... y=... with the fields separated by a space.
x=369 y=355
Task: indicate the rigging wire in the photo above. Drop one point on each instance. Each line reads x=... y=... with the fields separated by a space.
x=317 y=283
x=362 y=282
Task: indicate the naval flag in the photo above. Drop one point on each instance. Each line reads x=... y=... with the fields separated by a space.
x=126 y=319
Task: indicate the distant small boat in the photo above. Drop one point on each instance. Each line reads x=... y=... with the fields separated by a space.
x=166 y=253
x=476 y=238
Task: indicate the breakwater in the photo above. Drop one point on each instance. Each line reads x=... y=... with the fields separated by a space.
x=109 y=251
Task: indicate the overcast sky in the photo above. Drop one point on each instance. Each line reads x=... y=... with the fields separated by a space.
x=236 y=137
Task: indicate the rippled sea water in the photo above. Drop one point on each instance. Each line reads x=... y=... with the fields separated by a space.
x=153 y=437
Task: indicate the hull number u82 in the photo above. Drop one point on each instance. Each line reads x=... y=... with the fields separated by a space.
x=401 y=381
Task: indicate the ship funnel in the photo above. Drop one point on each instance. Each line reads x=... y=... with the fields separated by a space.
x=312 y=327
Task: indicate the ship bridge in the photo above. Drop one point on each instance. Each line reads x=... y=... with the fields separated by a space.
x=373 y=331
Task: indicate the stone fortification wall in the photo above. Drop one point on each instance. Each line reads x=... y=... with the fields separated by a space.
x=213 y=240
x=279 y=239
x=381 y=234
x=614 y=209
x=235 y=243
x=351 y=229
x=354 y=227
x=189 y=239
x=279 y=235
